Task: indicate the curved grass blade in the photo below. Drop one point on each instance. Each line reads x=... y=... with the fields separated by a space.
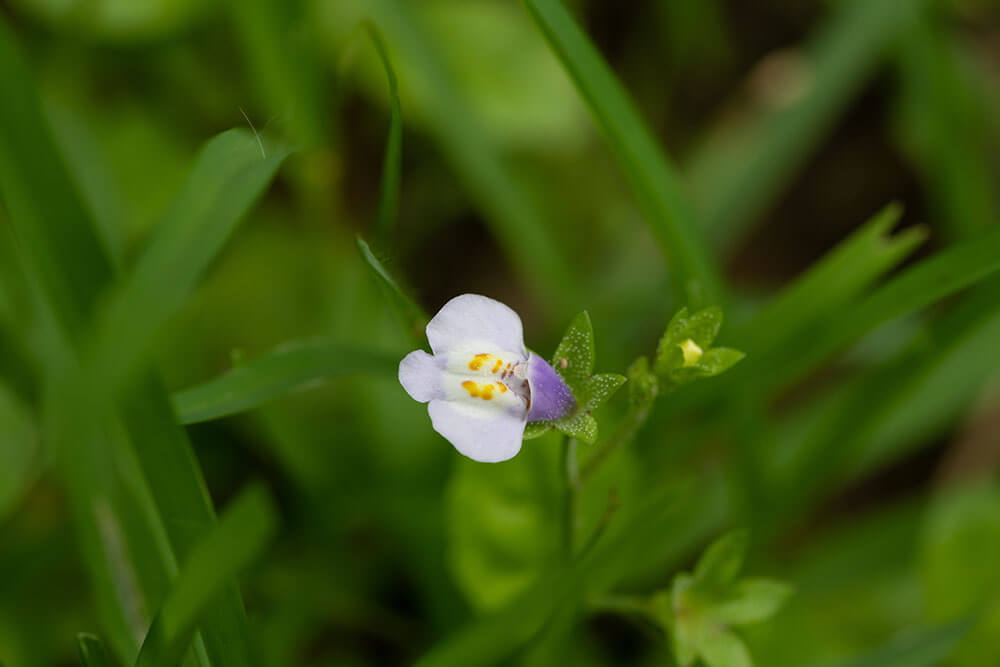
x=412 y=315
x=388 y=199
x=735 y=178
x=509 y=208
x=926 y=648
x=653 y=179
x=229 y=175
x=133 y=482
x=836 y=279
x=291 y=367
x=92 y=651
x=916 y=288
x=240 y=537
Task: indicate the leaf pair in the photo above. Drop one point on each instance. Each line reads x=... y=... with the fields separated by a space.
x=574 y=362
x=685 y=354
x=700 y=608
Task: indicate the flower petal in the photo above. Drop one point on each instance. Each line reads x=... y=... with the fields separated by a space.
x=420 y=375
x=550 y=397
x=487 y=436
x=473 y=317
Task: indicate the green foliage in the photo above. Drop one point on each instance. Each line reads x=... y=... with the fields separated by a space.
x=239 y=538
x=656 y=185
x=684 y=353
x=92 y=651
x=700 y=608
x=574 y=362
x=291 y=367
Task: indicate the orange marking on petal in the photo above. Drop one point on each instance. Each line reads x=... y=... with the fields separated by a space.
x=497 y=365
x=487 y=394
x=477 y=361
x=503 y=388
x=471 y=387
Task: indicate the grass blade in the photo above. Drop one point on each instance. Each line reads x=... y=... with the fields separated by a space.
x=230 y=174
x=412 y=315
x=926 y=648
x=133 y=482
x=837 y=279
x=241 y=535
x=291 y=367
x=918 y=287
x=92 y=652
x=736 y=177
x=510 y=210
x=654 y=181
x=388 y=199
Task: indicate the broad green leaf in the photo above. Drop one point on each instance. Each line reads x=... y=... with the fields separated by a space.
x=410 y=314
x=574 y=356
x=229 y=175
x=503 y=524
x=750 y=601
x=921 y=648
x=92 y=651
x=240 y=537
x=721 y=563
x=291 y=367
x=741 y=171
x=656 y=185
x=723 y=649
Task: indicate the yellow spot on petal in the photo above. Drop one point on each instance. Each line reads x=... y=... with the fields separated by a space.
x=692 y=353
x=503 y=388
x=477 y=361
x=471 y=387
x=487 y=392
x=497 y=365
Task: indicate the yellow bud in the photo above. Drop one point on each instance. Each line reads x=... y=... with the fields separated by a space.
x=692 y=353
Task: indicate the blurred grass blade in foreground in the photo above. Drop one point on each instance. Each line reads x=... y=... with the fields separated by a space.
x=291 y=367
x=926 y=648
x=240 y=537
x=657 y=187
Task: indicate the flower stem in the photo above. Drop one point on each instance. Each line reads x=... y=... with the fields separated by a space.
x=571 y=471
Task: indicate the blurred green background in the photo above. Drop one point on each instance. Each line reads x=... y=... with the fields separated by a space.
x=867 y=472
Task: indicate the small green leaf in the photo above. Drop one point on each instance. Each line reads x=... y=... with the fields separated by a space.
x=751 y=601
x=582 y=426
x=718 y=360
x=723 y=649
x=92 y=651
x=536 y=430
x=721 y=562
x=686 y=339
x=600 y=388
x=574 y=357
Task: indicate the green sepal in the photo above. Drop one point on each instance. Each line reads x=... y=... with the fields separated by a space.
x=697 y=331
x=574 y=356
x=573 y=361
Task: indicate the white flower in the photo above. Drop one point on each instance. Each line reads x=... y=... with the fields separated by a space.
x=481 y=384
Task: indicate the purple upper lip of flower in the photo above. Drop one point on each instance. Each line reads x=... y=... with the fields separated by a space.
x=481 y=384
